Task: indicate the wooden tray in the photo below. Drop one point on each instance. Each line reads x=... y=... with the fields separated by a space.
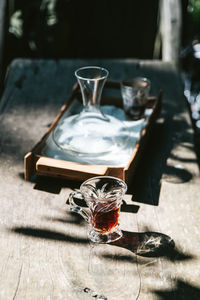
x=35 y=163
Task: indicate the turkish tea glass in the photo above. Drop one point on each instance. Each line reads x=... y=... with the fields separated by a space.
x=134 y=94
x=103 y=196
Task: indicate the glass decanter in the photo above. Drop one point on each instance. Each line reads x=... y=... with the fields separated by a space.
x=90 y=132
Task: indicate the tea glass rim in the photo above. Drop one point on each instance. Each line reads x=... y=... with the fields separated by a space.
x=92 y=67
x=105 y=177
x=128 y=83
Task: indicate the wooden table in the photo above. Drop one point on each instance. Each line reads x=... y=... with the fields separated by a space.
x=45 y=253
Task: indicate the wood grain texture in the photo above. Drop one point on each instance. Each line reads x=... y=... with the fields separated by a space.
x=44 y=252
x=171 y=28
x=3 y=28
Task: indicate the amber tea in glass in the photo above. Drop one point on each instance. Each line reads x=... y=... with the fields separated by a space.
x=103 y=196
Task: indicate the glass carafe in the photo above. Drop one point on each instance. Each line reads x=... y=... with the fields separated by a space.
x=90 y=133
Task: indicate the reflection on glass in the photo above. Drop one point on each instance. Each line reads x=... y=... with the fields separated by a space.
x=91 y=133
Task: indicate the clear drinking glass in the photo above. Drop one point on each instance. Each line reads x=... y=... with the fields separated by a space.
x=91 y=133
x=103 y=195
x=134 y=94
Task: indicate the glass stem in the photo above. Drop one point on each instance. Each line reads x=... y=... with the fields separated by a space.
x=91 y=91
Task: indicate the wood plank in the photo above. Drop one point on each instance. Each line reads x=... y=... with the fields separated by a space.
x=45 y=252
x=170 y=27
x=48 y=166
x=29 y=169
x=3 y=28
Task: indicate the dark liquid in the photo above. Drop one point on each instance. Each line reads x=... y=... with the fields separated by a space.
x=135 y=112
x=104 y=219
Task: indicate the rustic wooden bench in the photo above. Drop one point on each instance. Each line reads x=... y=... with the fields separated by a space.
x=45 y=252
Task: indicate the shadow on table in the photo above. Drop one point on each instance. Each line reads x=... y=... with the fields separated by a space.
x=146 y=244
x=176 y=174
x=74 y=218
x=50 y=184
x=48 y=235
x=53 y=185
x=181 y=291
x=146 y=183
x=151 y=244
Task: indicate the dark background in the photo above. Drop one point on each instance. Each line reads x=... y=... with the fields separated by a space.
x=82 y=29
x=89 y=29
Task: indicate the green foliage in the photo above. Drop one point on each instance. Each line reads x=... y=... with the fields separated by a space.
x=16 y=24
x=42 y=27
x=194 y=10
x=82 y=29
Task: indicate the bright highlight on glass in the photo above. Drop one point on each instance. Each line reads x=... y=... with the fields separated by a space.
x=90 y=133
x=134 y=94
x=103 y=196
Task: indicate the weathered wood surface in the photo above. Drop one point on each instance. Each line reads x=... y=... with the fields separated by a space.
x=170 y=29
x=44 y=252
x=3 y=24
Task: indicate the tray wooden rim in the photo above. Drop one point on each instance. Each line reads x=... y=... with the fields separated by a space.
x=35 y=163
